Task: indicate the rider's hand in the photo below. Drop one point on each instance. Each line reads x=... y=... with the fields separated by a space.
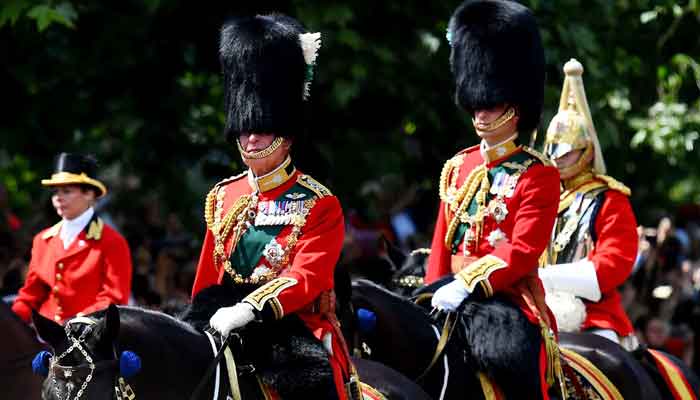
x=227 y=319
x=450 y=296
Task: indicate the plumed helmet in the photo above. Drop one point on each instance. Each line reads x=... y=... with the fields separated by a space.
x=266 y=66
x=497 y=57
x=572 y=127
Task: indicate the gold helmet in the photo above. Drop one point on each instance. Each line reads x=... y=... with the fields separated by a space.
x=572 y=128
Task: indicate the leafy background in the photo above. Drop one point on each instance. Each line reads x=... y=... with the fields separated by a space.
x=138 y=84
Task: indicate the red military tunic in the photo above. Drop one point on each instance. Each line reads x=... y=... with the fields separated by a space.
x=494 y=222
x=604 y=231
x=296 y=278
x=94 y=272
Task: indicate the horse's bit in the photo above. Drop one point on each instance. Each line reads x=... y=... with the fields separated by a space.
x=122 y=390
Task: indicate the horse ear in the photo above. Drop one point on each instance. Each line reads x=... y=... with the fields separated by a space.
x=48 y=330
x=111 y=330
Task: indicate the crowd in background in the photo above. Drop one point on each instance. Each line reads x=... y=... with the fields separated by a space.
x=662 y=296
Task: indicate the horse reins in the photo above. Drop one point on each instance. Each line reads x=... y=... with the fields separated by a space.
x=445 y=335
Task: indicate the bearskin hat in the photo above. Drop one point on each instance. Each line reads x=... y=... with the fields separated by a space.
x=264 y=75
x=497 y=57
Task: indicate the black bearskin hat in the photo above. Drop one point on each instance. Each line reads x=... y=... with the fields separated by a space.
x=497 y=57
x=264 y=74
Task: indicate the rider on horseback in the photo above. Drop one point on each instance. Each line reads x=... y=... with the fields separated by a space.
x=594 y=242
x=79 y=265
x=273 y=229
x=498 y=201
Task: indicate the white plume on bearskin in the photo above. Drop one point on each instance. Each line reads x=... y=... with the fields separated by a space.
x=568 y=310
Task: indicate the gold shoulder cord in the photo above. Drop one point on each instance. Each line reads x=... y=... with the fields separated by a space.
x=477 y=179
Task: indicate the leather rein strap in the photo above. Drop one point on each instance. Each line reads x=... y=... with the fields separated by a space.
x=210 y=369
x=445 y=334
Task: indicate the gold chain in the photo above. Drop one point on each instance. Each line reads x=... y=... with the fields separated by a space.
x=470 y=186
x=240 y=214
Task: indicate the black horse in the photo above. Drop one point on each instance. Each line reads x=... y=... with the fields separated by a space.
x=17 y=348
x=407 y=281
x=175 y=356
x=405 y=338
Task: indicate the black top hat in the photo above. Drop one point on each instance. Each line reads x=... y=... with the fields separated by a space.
x=497 y=57
x=75 y=169
x=264 y=75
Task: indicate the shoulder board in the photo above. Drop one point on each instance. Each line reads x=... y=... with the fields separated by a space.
x=53 y=231
x=615 y=184
x=469 y=149
x=210 y=200
x=541 y=157
x=94 y=230
x=314 y=186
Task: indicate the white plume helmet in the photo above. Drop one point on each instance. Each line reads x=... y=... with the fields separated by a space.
x=310 y=44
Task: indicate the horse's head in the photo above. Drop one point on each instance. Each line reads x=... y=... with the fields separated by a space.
x=409 y=277
x=85 y=363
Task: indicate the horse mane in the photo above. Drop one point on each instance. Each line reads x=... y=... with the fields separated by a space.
x=156 y=320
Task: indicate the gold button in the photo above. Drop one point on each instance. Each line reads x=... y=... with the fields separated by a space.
x=59 y=277
x=55 y=289
x=57 y=318
x=60 y=265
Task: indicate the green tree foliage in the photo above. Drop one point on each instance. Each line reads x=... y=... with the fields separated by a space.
x=138 y=84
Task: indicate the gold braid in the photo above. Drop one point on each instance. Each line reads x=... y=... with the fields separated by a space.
x=470 y=186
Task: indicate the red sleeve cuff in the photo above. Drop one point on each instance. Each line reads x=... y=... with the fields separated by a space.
x=22 y=310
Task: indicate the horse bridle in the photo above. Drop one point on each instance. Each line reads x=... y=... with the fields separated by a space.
x=122 y=390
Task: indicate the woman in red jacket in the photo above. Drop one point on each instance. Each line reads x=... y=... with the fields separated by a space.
x=79 y=265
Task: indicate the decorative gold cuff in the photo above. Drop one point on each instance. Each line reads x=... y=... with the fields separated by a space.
x=268 y=293
x=479 y=271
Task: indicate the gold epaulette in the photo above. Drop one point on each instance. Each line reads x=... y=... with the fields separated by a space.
x=95 y=229
x=53 y=231
x=541 y=157
x=210 y=200
x=450 y=165
x=314 y=186
x=614 y=184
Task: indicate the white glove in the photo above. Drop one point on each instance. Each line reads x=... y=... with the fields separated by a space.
x=450 y=296
x=578 y=278
x=227 y=319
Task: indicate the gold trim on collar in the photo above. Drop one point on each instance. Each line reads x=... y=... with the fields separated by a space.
x=53 y=231
x=500 y=150
x=95 y=229
x=578 y=180
x=278 y=177
x=567 y=197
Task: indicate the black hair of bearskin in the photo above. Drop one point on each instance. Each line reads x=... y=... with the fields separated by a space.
x=502 y=343
x=285 y=354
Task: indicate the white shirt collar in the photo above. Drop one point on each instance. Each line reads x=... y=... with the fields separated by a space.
x=70 y=228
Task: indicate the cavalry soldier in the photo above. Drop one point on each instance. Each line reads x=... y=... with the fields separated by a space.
x=80 y=265
x=498 y=200
x=594 y=242
x=272 y=227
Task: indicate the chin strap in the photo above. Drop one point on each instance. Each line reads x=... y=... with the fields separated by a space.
x=578 y=278
x=507 y=115
x=257 y=155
